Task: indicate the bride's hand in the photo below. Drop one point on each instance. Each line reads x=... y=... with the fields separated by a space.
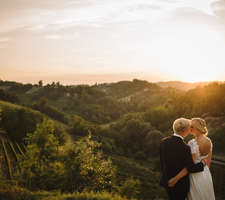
x=204 y=161
x=172 y=182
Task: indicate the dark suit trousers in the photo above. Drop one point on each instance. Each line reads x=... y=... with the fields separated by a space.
x=175 y=195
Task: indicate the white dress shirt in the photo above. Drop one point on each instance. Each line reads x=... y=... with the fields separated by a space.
x=178 y=136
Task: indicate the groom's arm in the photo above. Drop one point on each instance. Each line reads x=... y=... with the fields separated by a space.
x=189 y=164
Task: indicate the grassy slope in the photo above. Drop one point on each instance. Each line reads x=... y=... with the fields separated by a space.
x=11 y=106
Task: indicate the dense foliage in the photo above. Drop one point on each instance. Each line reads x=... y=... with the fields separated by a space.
x=17 y=121
x=51 y=111
x=126 y=120
x=6 y=96
x=40 y=168
x=81 y=167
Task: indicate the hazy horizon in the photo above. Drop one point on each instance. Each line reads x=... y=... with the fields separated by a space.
x=94 y=79
x=88 y=78
x=84 y=42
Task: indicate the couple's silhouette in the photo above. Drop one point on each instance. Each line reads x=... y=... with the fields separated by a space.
x=185 y=167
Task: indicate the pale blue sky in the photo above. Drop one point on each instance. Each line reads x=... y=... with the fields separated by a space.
x=88 y=41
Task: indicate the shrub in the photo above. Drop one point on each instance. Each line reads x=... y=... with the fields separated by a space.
x=130 y=188
x=40 y=168
x=87 y=196
x=86 y=168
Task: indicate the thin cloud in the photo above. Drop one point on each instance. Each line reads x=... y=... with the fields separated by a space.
x=53 y=37
x=37 y=28
x=218 y=8
x=3 y=40
x=38 y=16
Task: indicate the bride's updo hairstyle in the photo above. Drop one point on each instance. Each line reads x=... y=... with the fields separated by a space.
x=200 y=124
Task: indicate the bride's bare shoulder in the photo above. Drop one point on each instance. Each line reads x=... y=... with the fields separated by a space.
x=205 y=146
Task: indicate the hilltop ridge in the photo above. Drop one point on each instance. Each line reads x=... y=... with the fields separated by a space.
x=182 y=85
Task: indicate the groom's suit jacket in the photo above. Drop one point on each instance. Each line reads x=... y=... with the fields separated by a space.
x=174 y=156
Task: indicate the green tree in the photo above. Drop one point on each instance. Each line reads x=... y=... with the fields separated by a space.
x=86 y=168
x=153 y=140
x=40 y=83
x=40 y=168
x=81 y=127
x=43 y=102
x=159 y=117
x=130 y=134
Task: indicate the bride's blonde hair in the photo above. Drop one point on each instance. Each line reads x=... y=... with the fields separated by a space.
x=200 y=124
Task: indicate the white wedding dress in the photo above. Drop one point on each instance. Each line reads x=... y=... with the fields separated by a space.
x=201 y=185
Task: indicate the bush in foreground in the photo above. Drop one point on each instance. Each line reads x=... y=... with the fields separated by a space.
x=17 y=193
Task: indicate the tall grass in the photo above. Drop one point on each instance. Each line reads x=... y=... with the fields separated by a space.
x=13 y=150
x=9 y=153
x=7 y=158
x=19 y=148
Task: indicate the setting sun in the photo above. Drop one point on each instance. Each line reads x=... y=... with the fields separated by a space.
x=190 y=55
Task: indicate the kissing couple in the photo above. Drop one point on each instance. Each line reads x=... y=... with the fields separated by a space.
x=185 y=167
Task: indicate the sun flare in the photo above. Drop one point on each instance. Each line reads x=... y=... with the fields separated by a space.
x=190 y=56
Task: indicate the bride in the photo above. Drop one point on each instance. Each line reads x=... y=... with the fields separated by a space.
x=201 y=185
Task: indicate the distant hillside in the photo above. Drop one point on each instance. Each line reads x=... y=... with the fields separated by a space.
x=181 y=85
x=98 y=103
x=124 y=89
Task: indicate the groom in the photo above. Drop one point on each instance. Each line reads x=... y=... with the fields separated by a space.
x=174 y=156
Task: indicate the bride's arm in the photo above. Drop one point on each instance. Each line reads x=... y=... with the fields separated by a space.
x=176 y=178
x=208 y=159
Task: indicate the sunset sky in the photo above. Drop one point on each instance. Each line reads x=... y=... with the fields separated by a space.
x=89 y=41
